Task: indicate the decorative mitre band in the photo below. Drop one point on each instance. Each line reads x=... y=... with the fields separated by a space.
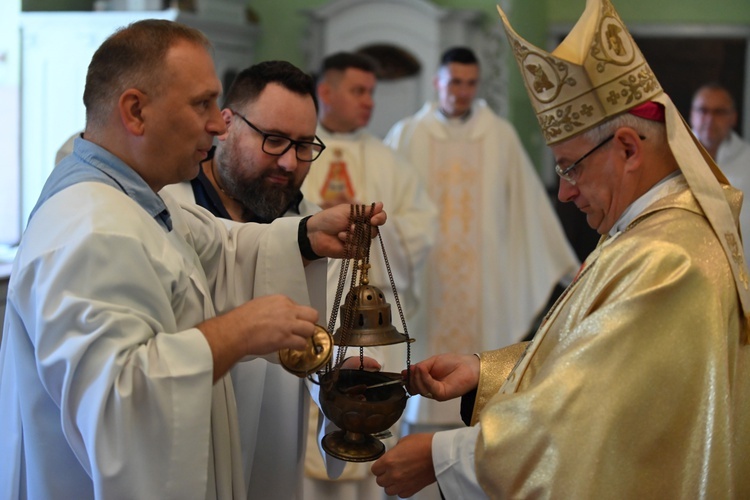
x=596 y=73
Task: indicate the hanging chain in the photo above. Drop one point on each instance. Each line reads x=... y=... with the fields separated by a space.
x=347 y=319
x=342 y=273
x=398 y=305
x=340 y=286
x=362 y=230
x=357 y=249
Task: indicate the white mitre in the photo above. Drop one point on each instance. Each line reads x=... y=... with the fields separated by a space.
x=599 y=72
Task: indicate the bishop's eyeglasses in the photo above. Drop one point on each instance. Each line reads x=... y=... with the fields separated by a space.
x=570 y=173
x=277 y=145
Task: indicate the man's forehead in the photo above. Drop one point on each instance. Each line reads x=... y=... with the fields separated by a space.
x=359 y=76
x=570 y=148
x=182 y=51
x=275 y=95
x=715 y=97
x=283 y=110
x=193 y=63
x=460 y=70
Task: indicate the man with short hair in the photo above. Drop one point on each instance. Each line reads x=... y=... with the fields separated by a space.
x=270 y=113
x=637 y=383
x=257 y=170
x=126 y=310
x=713 y=117
x=501 y=249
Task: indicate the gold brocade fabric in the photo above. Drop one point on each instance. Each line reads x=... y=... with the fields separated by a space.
x=638 y=384
x=495 y=368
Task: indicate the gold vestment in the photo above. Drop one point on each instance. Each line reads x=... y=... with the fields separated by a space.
x=638 y=383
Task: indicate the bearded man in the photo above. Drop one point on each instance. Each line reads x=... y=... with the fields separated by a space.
x=270 y=112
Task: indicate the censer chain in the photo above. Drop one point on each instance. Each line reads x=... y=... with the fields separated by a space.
x=398 y=305
x=358 y=249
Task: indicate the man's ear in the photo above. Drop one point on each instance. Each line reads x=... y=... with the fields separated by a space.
x=324 y=92
x=130 y=107
x=227 y=115
x=631 y=146
x=733 y=121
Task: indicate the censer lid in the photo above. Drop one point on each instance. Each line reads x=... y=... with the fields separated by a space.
x=371 y=319
x=309 y=360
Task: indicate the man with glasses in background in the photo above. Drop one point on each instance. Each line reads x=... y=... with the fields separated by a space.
x=270 y=112
x=713 y=116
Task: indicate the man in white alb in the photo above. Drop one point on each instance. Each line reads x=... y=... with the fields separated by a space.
x=501 y=249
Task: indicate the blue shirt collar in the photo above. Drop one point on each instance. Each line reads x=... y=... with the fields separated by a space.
x=92 y=163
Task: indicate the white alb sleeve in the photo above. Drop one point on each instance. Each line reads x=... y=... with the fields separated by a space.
x=453 y=459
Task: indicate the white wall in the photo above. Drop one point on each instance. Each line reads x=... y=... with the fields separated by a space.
x=10 y=220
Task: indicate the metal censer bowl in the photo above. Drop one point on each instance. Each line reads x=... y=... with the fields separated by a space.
x=360 y=412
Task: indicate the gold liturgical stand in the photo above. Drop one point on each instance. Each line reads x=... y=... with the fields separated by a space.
x=363 y=404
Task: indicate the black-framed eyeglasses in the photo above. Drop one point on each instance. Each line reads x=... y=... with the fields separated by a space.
x=570 y=173
x=277 y=145
x=719 y=112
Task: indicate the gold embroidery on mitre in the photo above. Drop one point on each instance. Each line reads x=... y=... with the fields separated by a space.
x=612 y=42
x=542 y=73
x=738 y=257
x=570 y=98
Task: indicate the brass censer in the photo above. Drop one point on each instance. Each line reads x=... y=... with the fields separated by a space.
x=363 y=404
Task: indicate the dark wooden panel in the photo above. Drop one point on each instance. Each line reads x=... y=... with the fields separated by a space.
x=684 y=64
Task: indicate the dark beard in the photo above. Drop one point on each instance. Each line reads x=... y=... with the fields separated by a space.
x=263 y=202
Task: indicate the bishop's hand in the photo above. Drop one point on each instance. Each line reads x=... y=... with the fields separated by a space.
x=407 y=467
x=445 y=376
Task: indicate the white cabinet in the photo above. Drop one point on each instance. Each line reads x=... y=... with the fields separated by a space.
x=56 y=49
x=10 y=54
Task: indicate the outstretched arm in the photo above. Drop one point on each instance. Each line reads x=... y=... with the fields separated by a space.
x=260 y=326
x=445 y=376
